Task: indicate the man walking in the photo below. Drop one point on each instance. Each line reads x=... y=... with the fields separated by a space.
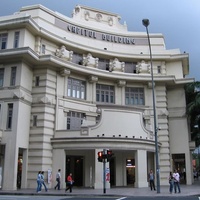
x=58 y=177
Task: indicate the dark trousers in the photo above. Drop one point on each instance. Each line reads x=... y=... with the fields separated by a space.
x=171 y=185
x=58 y=184
x=152 y=185
x=177 y=185
x=45 y=187
x=69 y=187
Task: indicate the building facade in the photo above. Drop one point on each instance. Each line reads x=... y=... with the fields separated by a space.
x=71 y=87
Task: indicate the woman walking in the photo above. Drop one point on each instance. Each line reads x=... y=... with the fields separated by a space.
x=42 y=181
x=69 y=183
x=39 y=185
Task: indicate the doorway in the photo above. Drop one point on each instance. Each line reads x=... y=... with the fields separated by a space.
x=74 y=165
x=130 y=171
x=179 y=164
x=19 y=168
x=2 y=156
x=112 y=172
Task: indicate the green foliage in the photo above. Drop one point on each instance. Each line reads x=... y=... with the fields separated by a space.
x=193 y=109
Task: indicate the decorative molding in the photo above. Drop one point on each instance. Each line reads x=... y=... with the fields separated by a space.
x=18 y=95
x=99 y=17
x=121 y=83
x=110 y=21
x=87 y=15
x=64 y=53
x=93 y=79
x=65 y=72
x=90 y=61
x=143 y=67
x=116 y=66
x=84 y=131
x=149 y=85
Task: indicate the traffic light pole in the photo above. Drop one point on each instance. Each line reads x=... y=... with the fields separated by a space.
x=104 y=172
x=104 y=156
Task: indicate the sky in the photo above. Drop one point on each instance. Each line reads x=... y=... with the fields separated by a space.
x=177 y=20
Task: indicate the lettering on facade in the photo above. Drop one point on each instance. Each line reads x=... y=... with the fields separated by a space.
x=100 y=36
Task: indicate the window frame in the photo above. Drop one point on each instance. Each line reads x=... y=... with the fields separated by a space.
x=76 y=88
x=3 y=40
x=74 y=120
x=134 y=96
x=13 y=74
x=43 y=48
x=16 y=39
x=2 y=71
x=105 y=93
x=9 y=116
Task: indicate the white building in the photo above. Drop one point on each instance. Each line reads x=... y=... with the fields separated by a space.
x=71 y=87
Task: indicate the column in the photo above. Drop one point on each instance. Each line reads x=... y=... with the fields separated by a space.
x=59 y=163
x=141 y=168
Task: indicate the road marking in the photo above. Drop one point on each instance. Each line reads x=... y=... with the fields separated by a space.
x=12 y=197
x=125 y=198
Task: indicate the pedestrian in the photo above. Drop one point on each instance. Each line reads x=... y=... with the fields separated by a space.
x=39 y=182
x=151 y=180
x=176 y=177
x=42 y=181
x=58 y=178
x=69 y=183
x=171 y=182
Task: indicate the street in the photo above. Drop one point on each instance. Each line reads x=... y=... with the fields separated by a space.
x=24 y=197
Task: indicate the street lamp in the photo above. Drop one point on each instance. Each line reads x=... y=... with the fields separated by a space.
x=146 y=23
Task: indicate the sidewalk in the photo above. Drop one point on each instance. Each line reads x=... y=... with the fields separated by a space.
x=191 y=190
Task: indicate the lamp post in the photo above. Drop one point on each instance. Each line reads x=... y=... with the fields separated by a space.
x=146 y=23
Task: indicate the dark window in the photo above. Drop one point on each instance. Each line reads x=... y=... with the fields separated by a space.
x=1 y=76
x=34 y=120
x=13 y=76
x=76 y=88
x=3 y=40
x=74 y=120
x=37 y=81
x=130 y=67
x=103 y=64
x=43 y=49
x=159 y=69
x=16 y=40
x=105 y=93
x=9 y=116
x=134 y=96
x=77 y=58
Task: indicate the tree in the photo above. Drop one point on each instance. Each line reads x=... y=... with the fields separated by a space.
x=193 y=109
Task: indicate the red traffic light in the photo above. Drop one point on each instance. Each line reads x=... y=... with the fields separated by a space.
x=100 y=156
x=109 y=152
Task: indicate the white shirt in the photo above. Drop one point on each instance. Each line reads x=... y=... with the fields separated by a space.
x=58 y=175
x=176 y=177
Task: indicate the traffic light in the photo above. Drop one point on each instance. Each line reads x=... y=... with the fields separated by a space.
x=109 y=155
x=100 y=156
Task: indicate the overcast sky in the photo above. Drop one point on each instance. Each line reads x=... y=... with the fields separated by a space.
x=177 y=20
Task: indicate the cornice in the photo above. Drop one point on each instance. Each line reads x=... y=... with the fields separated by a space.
x=28 y=55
